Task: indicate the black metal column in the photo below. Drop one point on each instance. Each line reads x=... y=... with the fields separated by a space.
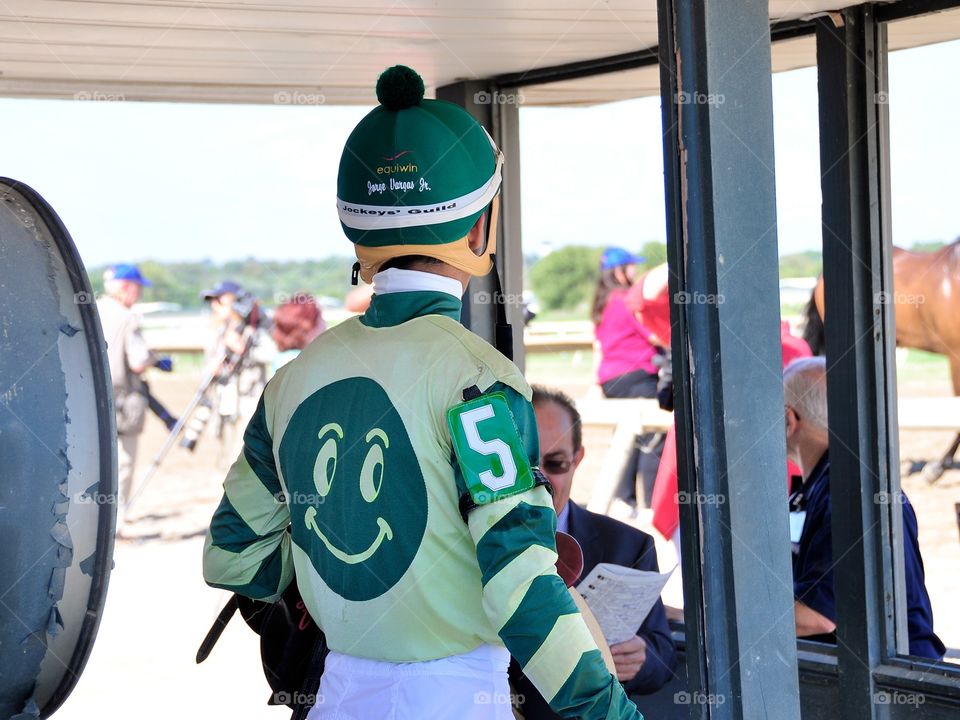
x=499 y=113
x=721 y=226
x=506 y=133
x=860 y=325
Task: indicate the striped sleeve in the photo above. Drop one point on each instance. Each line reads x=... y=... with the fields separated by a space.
x=247 y=548
x=529 y=604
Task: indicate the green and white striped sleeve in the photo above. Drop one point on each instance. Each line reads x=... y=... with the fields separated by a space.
x=527 y=601
x=247 y=548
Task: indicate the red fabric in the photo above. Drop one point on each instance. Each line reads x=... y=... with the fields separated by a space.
x=654 y=313
x=297 y=322
x=793 y=347
x=666 y=513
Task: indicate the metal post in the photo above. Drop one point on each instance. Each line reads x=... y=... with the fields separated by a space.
x=506 y=133
x=502 y=121
x=861 y=373
x=721 y=226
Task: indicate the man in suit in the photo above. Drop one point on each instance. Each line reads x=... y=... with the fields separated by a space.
x=645 y=663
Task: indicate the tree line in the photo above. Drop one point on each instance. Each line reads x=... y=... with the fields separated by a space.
x=269 y=280
x=562 y=280
x=565 y=279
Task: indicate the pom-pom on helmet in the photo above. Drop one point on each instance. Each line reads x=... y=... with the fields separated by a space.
x=415 y=176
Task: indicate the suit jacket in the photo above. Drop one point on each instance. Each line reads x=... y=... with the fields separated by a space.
x=604 y=539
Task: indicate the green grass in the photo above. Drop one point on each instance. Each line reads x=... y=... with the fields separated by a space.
x=921 y=368
x=787 y=309
x=563 y=315
x=921 y=358
x=187 y=362
x=583 y=313
x=560 y=368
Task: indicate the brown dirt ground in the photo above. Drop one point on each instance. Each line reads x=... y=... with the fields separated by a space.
x=158 y=608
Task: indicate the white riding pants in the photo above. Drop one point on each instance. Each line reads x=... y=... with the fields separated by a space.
x=471 y=686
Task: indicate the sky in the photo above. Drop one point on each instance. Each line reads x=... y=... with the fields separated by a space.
x=135 y=181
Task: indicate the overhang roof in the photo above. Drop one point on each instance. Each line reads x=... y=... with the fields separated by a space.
x=786 y=54
x=314 y=51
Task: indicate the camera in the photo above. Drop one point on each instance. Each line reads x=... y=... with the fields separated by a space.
x=197 y=423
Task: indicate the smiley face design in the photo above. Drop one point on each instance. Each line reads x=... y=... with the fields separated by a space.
x=358 y=501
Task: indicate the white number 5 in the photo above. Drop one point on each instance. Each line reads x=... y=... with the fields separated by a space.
x=469 y=420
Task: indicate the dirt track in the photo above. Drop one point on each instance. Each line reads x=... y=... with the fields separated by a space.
x=158 y=608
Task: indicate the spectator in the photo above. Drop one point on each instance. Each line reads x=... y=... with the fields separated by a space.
x=295 y=324
x=626 y=367
x=129 y=357
x=805 y=401
x=241 y=339
x=645 y=663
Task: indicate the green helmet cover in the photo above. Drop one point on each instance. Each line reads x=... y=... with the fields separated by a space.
x=414 y=171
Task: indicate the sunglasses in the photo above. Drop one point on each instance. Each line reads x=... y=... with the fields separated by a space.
x=556 y=466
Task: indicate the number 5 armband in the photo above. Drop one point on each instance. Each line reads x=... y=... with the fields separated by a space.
x=489 y=451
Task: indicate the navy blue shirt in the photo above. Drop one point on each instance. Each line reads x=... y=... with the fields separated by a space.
x=813 y=565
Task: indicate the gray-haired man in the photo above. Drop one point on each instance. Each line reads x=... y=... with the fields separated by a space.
x=808 y=442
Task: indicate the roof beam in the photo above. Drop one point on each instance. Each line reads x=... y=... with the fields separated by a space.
x=627 y=61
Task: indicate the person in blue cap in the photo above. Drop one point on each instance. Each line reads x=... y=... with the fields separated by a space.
x=239 y=332
x=626 y=368
x=129 y=357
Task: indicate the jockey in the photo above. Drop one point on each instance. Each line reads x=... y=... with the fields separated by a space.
x=390 y=469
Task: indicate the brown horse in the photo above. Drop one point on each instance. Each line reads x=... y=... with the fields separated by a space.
x=926 y=295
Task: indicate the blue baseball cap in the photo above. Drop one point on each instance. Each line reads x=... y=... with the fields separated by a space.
x=222 y=288
x=616 y=256
x=126 y=272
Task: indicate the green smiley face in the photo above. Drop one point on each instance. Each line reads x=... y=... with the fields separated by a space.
x=357 y=497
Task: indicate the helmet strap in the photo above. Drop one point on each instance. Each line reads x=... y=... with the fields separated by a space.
x=456 y=253
x=503 y=331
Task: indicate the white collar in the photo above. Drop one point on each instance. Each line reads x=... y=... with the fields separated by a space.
x=563 y=519
x=394 y=280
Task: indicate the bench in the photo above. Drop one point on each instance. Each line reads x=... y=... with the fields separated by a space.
x=628 y=418
x=549 y=337
x=929 y=413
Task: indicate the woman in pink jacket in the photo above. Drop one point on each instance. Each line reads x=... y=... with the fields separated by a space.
x=626 y=367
